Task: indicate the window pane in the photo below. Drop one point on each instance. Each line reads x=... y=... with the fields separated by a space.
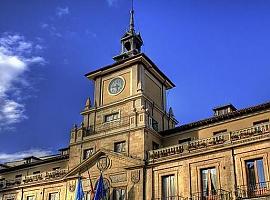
x=111 y=117
x=204 y=175
x=53 y=196
x=119 y=194
x=87 y=153
x=251 y=176
x=120 y=147
x=261 y=177
x=168 y=187
x=87 y=196
x=172 y=188
x=213 y=176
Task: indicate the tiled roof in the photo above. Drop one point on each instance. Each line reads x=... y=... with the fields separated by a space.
x=219 y=118
x=44 y=161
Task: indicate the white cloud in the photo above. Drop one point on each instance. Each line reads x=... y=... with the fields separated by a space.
x=6 y=157
x=15 y=59
x=62 y=11
x=111 y=2
x=51 y=29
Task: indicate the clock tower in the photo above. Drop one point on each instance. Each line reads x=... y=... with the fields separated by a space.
x=129 y=102
x=128 y=111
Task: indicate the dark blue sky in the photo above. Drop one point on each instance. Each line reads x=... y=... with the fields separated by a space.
x=215 y=52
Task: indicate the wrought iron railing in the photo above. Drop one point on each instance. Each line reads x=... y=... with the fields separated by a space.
x=218 y=194
x=171 y=198
x=217 y=140
x=253 y=191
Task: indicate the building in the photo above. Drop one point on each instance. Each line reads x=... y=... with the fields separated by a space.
x=129 y=135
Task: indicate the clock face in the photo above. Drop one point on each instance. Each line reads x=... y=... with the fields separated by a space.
x=116 y=85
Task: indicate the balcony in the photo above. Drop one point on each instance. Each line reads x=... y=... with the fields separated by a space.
x=171 y=198
x=223 y=139
x=9 y=183
x=50 y=175
x=105 y=127
x=253 y=191
x=219 y=194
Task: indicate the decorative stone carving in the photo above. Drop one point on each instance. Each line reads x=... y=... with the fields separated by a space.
x=72 y=187
x=103 y=163
x=118 y=178
x=135 y=176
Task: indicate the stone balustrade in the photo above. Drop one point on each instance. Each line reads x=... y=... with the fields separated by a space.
x=227 y=138
x=45 y=176
x=251 y=131
x=104 y=127
x=49 y=175
x=9 y=183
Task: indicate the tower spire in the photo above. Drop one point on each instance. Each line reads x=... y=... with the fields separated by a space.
x=131 y=41
x=131 y=22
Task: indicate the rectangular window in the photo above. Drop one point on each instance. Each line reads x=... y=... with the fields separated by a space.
x=184 y=140
x=56 y=168
x=30 y=198
x=54 y=196
x=36 y=172
x=18 y=176
x=255 y=172
x=260 y=122
x=87 y=195
x=111 y=117
x=155 y=145
x=219 y=132
x=208 y=182
x=87 y=153
x=154 y=124
x=119 y=194
x=120 y=147
x=168 y=187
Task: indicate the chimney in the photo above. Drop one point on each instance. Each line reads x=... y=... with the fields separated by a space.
x=223 y=110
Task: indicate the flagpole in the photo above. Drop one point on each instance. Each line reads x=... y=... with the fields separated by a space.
x=91 y=186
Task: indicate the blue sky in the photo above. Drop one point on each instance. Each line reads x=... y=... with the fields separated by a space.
x=216 y=52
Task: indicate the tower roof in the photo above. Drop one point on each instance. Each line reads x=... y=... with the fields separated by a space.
x=131 y=41
x=121 y=64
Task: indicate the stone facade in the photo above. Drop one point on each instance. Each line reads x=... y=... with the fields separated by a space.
x=128 y=134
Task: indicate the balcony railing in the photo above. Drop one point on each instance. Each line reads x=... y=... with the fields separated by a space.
x=106 y=126
x=206 y=143
x=218 y=194
x=253 y=191
x=171 y=198
x=251 y=131
x=45 y=176
x=9 y=183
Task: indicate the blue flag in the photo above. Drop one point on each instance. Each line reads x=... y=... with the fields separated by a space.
x=100 y=189
x=79 y=191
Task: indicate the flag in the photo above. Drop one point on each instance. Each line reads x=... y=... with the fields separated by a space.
x=100 y=189
x=79 y=191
